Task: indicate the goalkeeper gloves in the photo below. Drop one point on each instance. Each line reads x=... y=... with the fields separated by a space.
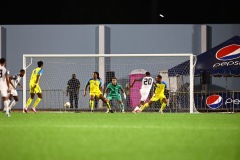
x=124 y=95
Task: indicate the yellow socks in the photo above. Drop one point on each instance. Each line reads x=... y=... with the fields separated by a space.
x=29 y=101
x=144 y=106
x=91 y=104
x=36 y=102
x=163 y=106
x=108 y=105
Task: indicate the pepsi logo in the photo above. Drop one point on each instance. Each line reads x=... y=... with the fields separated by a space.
x=228 y=53
x=214 y=101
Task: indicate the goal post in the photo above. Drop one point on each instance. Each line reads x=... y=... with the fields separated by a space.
x=58 y=69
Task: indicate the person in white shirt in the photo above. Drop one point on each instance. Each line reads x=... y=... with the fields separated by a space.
x=14 y=82
x=4 y=84
x=147 y=83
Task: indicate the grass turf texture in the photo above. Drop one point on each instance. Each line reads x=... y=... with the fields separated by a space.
x=144 y=136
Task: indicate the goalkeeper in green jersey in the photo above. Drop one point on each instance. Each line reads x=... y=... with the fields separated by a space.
x=112 y=92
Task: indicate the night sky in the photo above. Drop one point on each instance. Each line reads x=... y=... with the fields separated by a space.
x=119 y=12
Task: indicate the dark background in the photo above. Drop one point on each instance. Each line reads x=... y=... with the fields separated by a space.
x=118 y=12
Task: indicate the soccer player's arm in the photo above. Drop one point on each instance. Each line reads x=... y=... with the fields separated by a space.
x=67 y=89
x=124 y=94
x=38 y=77
x=78 y=86
x=100 y=86
x=85 y=89
x=7 y=80
x=10 y=82
x=135 y=80
x=19 y=85
x=166 y=91
x=153 y=88
x=106 y=90
x=155 y=84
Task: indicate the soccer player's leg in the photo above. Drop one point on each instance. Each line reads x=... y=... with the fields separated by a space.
x=119 y=99
x=6 y=103
x=76 y=100
x=109 y=97
x=91 y=101
x=4 y=95
x=153 y=99
x=29 y=101
x=38 y=91
x=71 y=99
x=106 y=101
x=163 y=102
x=9 y=99
x=15 y=99
x=144 y=96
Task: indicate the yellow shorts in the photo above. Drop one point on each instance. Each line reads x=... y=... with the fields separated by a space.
x=95 y=94
x=36 y=89
x=157 y=97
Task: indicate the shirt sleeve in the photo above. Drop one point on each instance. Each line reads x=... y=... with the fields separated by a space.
x=164 y=84
x=108 y=86
x=121 y=87
x=7 y=72
x=40 y=72
x=88 y=82
x=100 y=82
x=154 y=80
x=14 y=77
x=153 y=88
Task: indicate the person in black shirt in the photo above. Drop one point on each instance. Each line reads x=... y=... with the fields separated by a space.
x=73 y=87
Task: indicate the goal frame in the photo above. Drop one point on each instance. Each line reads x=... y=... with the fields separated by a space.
x=190 y=55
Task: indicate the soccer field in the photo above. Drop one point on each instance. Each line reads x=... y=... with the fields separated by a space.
x=101 y=136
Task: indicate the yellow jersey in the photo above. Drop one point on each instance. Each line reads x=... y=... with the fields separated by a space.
x=94 y=85
x=159 y=90
x=37 y=71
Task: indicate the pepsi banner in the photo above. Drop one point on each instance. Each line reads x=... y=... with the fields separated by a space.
x=223 y=59
x=228 y=53
x=214 y=101
x=224 y=100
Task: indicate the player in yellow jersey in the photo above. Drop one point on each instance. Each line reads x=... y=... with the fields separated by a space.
x=34 y=87
x=158 y=95
x=95 y=91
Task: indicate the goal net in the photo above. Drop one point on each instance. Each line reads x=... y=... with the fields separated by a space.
x=58 y=70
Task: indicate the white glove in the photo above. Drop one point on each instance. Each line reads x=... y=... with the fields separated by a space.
x=105 y=95
x=124 y=95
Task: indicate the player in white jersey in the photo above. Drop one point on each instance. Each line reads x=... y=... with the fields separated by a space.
x=4 y=84
x=147 y=83
x=14 y=82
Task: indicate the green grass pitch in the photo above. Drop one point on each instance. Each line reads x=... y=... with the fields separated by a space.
x=118 y=136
